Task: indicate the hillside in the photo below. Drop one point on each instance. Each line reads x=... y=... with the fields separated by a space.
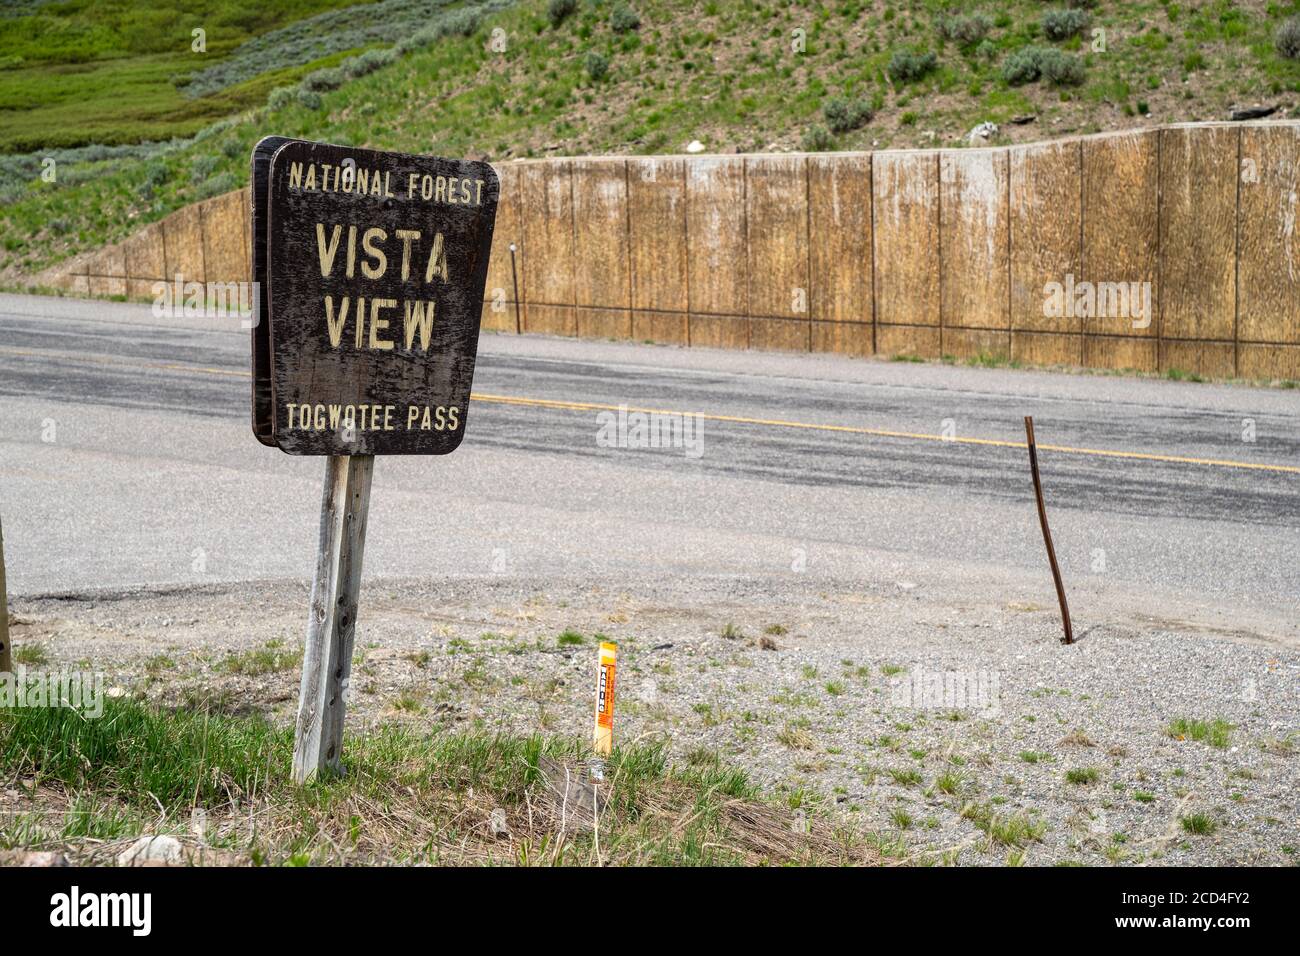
x=79 y=72
x=577 y=76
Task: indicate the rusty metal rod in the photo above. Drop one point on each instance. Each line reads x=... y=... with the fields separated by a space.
x=1047 y=534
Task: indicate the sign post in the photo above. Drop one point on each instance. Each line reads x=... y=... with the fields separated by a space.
x=370 y=269
x=327 y=656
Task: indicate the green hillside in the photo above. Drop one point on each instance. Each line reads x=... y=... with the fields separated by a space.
x=117 y=71
x=646 y=76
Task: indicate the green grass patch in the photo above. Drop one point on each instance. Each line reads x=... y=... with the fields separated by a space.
x=30 y=655
x=1216 y=733
x=407 y=796
x=271 y=659
x=1198 y=824
x=1011 y=830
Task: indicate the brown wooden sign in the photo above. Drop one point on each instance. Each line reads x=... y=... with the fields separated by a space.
x=372 y=268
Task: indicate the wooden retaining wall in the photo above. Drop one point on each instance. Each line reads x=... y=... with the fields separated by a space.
x=931 y=253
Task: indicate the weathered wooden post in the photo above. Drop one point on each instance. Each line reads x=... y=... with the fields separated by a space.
x=6 y=656
x=327 y=656
x=370 y=270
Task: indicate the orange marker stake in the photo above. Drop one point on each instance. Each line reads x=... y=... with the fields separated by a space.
x=603 y=741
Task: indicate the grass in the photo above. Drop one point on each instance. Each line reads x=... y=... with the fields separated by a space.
x=406 y=796
x=271 y=659
x=1198 y=824
x=796 y=738
x=906 y=778
x=32 y=655
x=570 y=639
x=948 y=783
x=1082 y=775
x=1216 y=733
x=1010 y=830
x=725 y=75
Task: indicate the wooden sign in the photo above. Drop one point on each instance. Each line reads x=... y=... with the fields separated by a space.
x=372 y=266
x=370 y=270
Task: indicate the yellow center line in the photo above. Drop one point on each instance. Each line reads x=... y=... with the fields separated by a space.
x=887 y=433
x=730 y=419
x=106 y=360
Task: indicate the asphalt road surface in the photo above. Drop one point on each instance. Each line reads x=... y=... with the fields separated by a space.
x=126 y=459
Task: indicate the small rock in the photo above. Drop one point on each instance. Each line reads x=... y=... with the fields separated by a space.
x=497 y=825
x=1251 y=112
x=1023 y=119
x=695 y=146
x=767 y=644
x=907 y=585
x=153 y=851
x=982 y=133
x=661 y=647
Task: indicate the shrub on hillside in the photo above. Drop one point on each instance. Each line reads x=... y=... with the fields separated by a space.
x=322 y=81
x=1035 y=62
x=560 y=10
x=421 y=38
x=906 y=66
x=155 y=174
x=218 y=184
x=597 y=66
x=204 y=165
x=843 y=115
x=1063 y=24
x=1022 y=66
x=624 y=18
x=1062 y=69
x=461 y=23
x=281 y=97
x=367 y=62
x=964 y=30
x=1287 y=39
x=309 y=99
x=818 y=139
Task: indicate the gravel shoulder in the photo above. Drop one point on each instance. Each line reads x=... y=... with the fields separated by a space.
x=960 y=730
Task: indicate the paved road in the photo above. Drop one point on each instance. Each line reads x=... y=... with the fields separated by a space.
x=126 y=459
